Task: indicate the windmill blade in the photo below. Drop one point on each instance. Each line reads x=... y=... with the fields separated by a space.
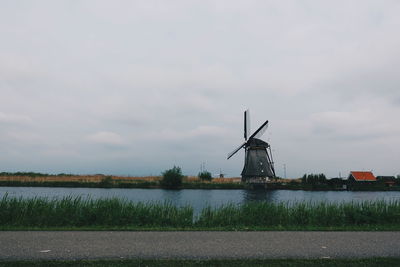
x=260 y=131
x=246 y=124
x=236 y=150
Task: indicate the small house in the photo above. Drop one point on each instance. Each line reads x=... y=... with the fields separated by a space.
x=389 y=181
x=361 y=177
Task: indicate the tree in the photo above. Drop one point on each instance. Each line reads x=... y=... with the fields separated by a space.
x=172 y=177
x=314 y=179
x=322 y=178
x=304 y=179
x=205 y=176
x=106 y=181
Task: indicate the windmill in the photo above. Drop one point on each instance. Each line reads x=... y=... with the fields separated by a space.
x=258 y=162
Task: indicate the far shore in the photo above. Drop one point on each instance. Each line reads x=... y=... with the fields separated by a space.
x=189 y=182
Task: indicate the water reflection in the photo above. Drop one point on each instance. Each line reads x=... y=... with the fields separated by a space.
x=258 y=195
x=172 y=196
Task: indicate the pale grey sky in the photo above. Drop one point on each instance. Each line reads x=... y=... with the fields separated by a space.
x=134 y=87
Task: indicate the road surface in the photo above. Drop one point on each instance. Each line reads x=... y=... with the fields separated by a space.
x=69 y=245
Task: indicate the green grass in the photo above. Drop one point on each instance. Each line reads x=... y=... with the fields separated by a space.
x=230 y=263
x=69 y=212
x=80 y=212
x=302 y=214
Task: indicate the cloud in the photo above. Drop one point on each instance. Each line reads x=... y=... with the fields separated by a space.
x=106 y=138
x=156 y=83
x=11 y=118
x=205 y=131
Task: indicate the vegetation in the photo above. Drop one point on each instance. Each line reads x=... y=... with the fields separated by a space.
x=303 y=214
x=212 y=262
x=172 y=177
x=106 y=182
x=29 y=174
x=314 y=179
x=32 y=174
x=68 y=211
x=80 y=212
x=307 y=182
x=205 y=176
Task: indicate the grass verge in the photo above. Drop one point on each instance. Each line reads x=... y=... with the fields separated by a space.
x=231 y=263
x=367 y=228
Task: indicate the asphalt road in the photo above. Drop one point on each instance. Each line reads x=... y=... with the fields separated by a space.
x=196 y=245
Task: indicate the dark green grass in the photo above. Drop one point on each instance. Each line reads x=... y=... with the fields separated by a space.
x=302 y=214
x=80 y=212
x=73 y=213
x=231 y=263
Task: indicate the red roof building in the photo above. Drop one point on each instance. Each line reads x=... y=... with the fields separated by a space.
x=362 y=177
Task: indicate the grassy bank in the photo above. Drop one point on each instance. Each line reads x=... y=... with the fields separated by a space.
x=103 y=181
x=186 y=185
x=231 y=263
x=31 y=179
x=141 y=184
x=74 y=213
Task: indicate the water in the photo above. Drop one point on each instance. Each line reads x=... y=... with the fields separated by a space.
x=200 y=198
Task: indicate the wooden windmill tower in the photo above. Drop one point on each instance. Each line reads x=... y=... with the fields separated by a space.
x=258 y=162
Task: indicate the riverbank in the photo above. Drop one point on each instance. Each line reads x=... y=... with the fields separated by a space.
x=140 y=184
x=191 y=185
x=105 y=214
x=188 y=182
x=104 y=181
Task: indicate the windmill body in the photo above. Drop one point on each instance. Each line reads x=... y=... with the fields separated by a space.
x=258 y=163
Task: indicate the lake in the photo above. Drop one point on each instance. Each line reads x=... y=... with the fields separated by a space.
x=199 y=198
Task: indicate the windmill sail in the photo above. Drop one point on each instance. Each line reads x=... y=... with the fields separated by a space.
x=246 y=124
x=236 y=150
x=261 y=131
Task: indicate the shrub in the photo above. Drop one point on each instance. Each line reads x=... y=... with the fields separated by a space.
x=205 y=176
x=172 y=177
x=314 y=179
x=106 y=181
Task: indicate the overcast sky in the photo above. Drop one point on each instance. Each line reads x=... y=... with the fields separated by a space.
x=135 y=87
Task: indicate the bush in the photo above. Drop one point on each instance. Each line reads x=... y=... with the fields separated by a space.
x=106 y=181
x=314 y=179
x=172 y=177
x=205 y=176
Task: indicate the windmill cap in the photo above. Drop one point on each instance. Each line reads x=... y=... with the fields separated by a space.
x=257 y=142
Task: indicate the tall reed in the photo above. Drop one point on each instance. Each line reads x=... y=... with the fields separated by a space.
x=77 y=212
x=302 y=214
x=70 y=211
